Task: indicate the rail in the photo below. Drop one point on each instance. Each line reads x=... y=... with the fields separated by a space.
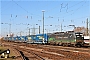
x=21 y=54
x=28 y=51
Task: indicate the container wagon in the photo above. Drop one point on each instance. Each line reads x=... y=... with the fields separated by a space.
x=39 y=38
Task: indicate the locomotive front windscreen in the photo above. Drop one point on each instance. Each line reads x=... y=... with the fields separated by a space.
x=79 y=36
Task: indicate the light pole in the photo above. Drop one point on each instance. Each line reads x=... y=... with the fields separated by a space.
x=87 y=27
x=39 y=29
x=10 y=29
x=43 y=20
x=29 y=31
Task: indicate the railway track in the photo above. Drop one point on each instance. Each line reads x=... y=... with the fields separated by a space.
x=66 y=50
x=31 y=55
x=40 y=53
x=72 y=49
x=49 y=52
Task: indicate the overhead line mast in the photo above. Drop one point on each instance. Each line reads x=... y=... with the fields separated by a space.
x=87 y=27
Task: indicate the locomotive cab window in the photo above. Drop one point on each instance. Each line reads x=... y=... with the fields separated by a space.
x=79 y=36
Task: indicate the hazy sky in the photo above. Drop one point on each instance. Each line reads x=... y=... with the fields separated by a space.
x=20 y=13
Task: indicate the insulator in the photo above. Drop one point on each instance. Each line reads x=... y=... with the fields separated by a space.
x=16 y=15
x=27 y=17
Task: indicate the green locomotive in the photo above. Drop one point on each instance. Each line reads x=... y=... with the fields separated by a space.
x=67 y=39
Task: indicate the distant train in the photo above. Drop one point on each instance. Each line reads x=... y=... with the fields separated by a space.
x=61 y=38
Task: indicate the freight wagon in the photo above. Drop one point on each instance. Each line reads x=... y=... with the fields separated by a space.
x=39 y=38
x=68 y=39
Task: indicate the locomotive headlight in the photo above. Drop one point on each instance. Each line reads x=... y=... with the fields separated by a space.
x=82 y=36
